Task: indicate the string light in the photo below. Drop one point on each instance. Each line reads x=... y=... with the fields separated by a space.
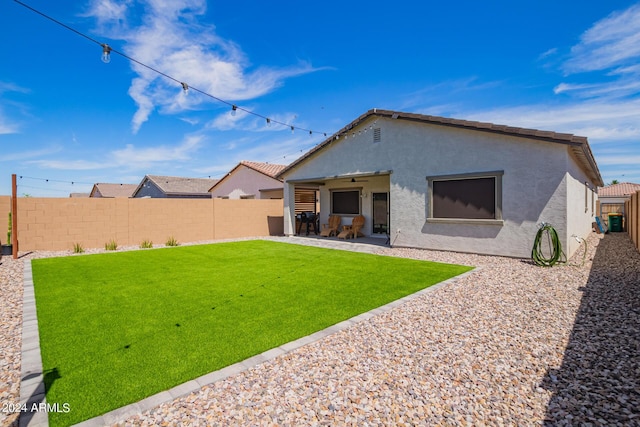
x=185 y=87
x=234 y=108
x=55 y=180
x=106 y=57
x=106 y=53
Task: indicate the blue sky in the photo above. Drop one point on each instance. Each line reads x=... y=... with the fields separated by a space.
x=65 y=116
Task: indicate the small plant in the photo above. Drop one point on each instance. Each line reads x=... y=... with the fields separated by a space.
x=171 y=241
x=111 y=245
x=77 y=248
x=146 y=244
x=9 y=230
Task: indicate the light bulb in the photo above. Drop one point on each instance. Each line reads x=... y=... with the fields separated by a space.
x=292 y=129
x=268 y=122
x=106 y=53
x=185 y=87
x=233 y=110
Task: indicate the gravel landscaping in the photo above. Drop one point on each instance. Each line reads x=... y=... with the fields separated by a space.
x=509 y=344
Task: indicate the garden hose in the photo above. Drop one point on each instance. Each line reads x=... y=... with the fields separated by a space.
x=547 y=234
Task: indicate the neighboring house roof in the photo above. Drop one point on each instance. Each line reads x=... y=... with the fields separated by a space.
x=619 y=190
x=177 y=185
x=102 y=189
x=578 y=144
x=269 y=169
x=80 y=195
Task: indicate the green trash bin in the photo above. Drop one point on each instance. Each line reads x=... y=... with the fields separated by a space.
x=615 y=222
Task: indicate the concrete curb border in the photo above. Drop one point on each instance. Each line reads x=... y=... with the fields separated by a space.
x=32 y=390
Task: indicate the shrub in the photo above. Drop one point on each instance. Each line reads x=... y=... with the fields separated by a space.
x=171 y=241
x=111 y=245
x=146 y=244
x=77 y=248
x=9 y=230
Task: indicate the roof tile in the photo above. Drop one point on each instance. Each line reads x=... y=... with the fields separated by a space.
x=619 y=190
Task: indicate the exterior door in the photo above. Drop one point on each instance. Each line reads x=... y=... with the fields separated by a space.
x=380 y=213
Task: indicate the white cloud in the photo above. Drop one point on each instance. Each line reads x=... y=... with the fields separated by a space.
x=620 y=160
x=548 y=53
x=171 y=38
x=610 y=42
x=604 y=106
x=617 y=89
x=69 y=164
x=144 y=157
x=12 y=87
x=595 y=119
x=107 y=11
x=128 y=158
x=29 y=154
x=7 y=126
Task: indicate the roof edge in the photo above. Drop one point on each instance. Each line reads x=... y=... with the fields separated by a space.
x=549 y=136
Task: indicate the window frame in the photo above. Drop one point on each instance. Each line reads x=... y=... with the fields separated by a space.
x=357 y=190
x=497 y=220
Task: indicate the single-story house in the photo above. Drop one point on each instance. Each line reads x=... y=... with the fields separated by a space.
x=158 y=186
x=447 y=184
x=250 y=180
x=612 y=197
x=103 y=189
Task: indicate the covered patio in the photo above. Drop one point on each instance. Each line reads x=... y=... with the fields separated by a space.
x=347 y=196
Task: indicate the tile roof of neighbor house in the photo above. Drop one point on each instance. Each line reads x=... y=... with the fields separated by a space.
x=269 y=169
x=113 y=190
x=618 y=190
x=79 y=194
x=579 y=144
x=181 y=185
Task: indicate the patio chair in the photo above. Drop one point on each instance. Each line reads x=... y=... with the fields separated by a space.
x=352 y=230
x=331 y=229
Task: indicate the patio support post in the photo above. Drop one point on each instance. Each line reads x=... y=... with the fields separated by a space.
x=14 y=216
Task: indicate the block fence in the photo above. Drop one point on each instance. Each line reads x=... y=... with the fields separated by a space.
x=632 y=210
x=59 y=223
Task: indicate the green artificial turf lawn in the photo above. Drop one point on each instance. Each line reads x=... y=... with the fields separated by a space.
x=118 y=327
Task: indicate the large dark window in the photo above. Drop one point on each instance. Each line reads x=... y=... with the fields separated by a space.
x=345 y=202
x=469 y=196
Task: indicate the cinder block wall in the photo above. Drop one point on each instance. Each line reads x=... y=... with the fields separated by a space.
x=248 y=218
x=57 y=223
x=5 y=208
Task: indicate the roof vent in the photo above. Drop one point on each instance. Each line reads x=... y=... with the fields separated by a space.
x=377 y=136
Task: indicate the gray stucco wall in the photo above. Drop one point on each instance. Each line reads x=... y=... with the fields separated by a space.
x=581 y=206
x=539 y=180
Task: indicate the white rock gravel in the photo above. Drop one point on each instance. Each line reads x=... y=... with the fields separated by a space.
x=510 y=344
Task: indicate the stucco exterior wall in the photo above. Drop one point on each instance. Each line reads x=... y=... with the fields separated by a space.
x=535 y=182
x=245 y=181
x=581 y=207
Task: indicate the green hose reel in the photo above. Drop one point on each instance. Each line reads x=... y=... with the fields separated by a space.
x=547 y=250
